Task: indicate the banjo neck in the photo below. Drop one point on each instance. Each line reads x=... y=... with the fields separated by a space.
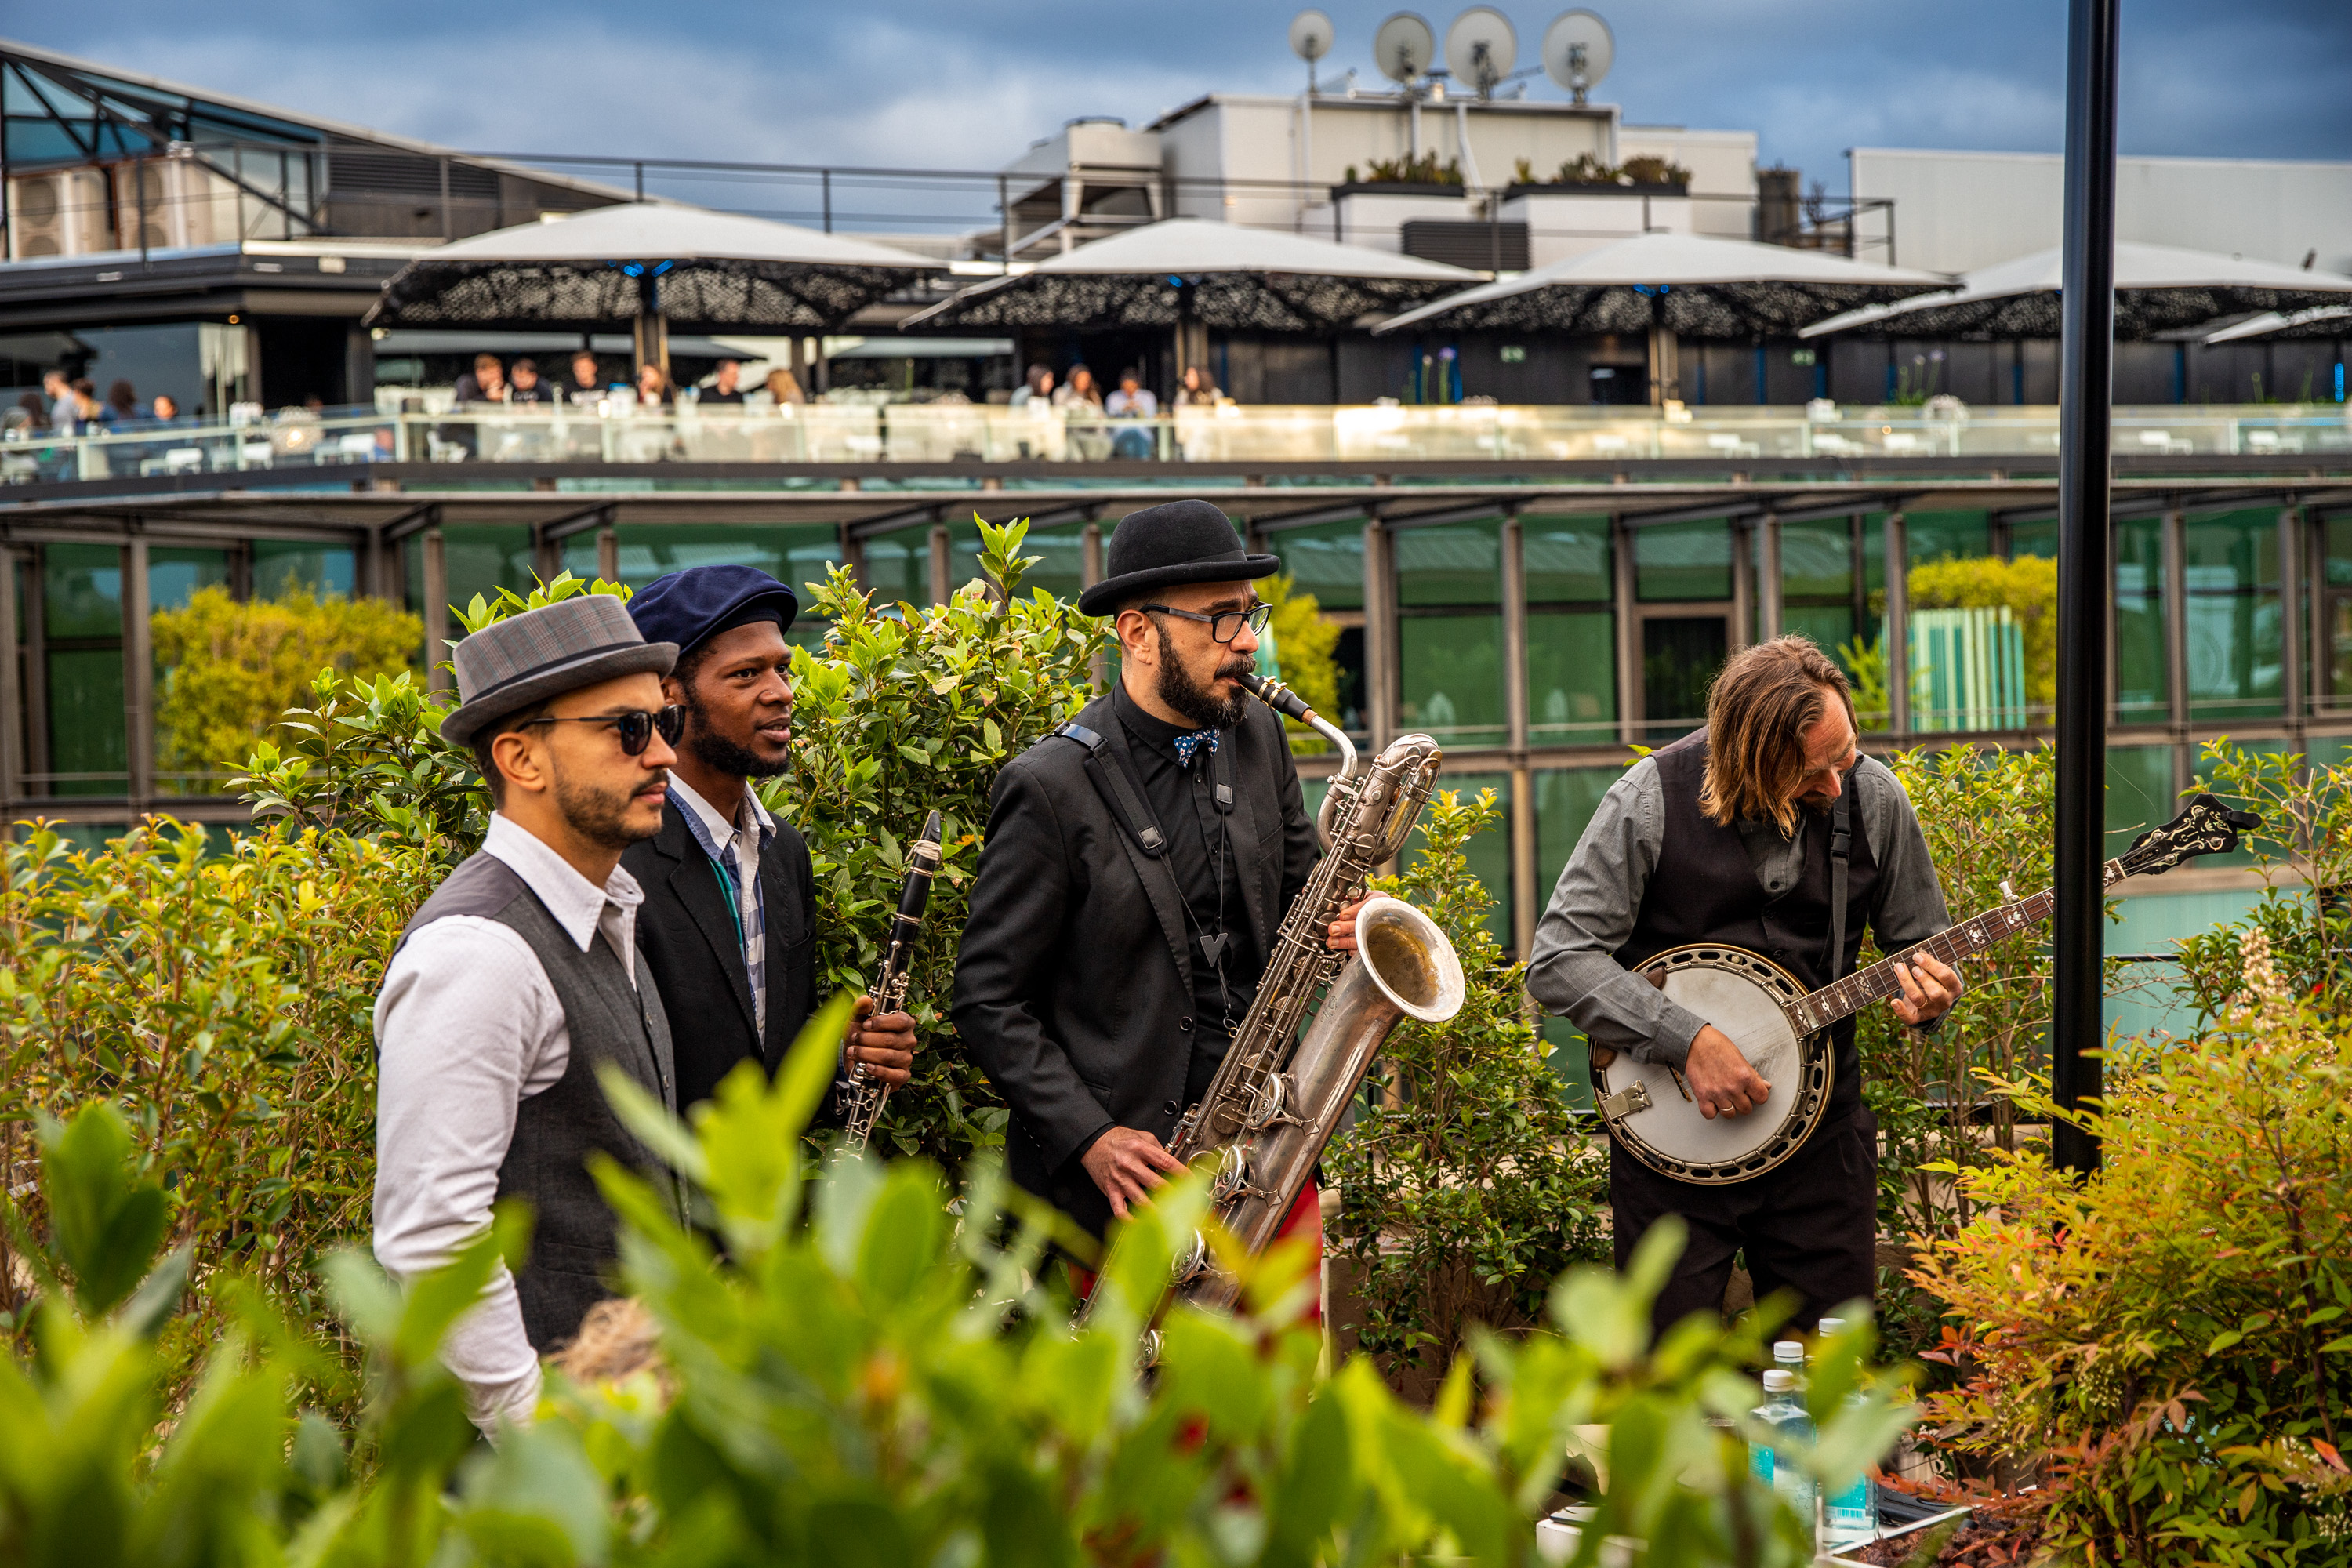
x=1844 y=998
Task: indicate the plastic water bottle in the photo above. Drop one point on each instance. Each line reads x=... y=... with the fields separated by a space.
x=1785 y=1414
x=1788 y=1355
x=1852 y=1514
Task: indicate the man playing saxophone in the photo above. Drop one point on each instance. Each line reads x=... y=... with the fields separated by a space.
x=1138 y=866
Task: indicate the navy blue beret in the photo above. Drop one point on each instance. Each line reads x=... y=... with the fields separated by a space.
x=692 y=606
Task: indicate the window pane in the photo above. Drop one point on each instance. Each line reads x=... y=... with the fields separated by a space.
x=1451 y=564
x=2139 y=793
x=1943 y=535
x=2201 y=772
x=1061 y=566
x=82 y=591
x=1831 y=629
x=1817 y=560
x=1683 y=560
x=2340 y=551
x=175 y=575
x=1489 y=853
x=1566 y=799
x=86 y=733
x=481 y=558
x=1326 y=561
x=1571 y=678
x=797 y=555
x=899 y=568
x=2141 y=683
x=280 y=566
x=1453 y=677
x=2234 y=650
x=1566 y=560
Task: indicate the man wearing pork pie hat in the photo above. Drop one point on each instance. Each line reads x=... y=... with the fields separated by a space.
x=520 y=980
x=730 y=918
x=1101 y=977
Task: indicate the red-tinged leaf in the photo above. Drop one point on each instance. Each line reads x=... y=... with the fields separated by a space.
x=2328 y=1452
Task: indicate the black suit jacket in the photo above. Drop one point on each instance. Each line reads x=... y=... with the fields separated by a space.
x=688 y=935
x=1073 y=989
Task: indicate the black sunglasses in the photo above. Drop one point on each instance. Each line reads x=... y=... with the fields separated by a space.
x=635 y=729
x=1226 y=624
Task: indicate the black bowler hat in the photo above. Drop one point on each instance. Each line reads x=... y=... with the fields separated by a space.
x=1161 y=546
x=692 y=606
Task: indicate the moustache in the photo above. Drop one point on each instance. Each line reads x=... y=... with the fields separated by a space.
x=1235 y=669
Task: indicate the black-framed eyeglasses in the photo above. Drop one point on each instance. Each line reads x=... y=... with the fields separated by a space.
x=1226 y=624
x=635 y=727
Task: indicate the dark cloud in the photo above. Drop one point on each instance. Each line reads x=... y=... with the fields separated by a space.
x=968 y=85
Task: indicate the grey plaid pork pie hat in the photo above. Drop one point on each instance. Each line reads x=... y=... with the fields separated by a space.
x=517 y=663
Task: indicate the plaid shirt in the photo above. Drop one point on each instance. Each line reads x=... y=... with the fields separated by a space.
x=729 y=845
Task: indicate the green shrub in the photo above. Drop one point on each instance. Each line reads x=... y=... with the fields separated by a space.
x=231 y=668
x=861 y=1378
x=1302 y=645
x=1466 y=1188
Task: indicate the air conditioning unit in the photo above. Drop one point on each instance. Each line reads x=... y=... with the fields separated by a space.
x=62 y=212
x=174 y=201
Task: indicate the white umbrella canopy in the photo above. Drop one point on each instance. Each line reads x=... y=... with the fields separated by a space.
x=700 y=269
x=1686 y=284
x=2159 y=288
x=1217 y=274
x=2319 y=321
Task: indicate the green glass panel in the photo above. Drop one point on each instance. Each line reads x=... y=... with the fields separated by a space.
x=2339 y=646
x=2141 y=683
x=1683 y=560
x=1817 y=560
x=2139 y=793
x=898 y=568
x=2234 y=625
x=1451 y=564
x=86 y=733
x=1830 y=628
x=174 y=575
x=481 y=558
x=2201 y=772
x=1326 y=561
x=1571 y=1060
x=2340 y=551
x=797 y=555
x=1061 y=566
x=1571 y=678
x=1681 y=655
x=1566 y=799
x=1944 y=535
x=1489 y=853
x=281 y=566
x=2034 y=539
x=1453 y=677
x=1566 y=560
x=81 y=591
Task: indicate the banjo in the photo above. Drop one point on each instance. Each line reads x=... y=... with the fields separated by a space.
x=1784 y=1029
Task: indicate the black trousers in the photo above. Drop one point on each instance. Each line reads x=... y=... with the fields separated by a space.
x=1808 y=1225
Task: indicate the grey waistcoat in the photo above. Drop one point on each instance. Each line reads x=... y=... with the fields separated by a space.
x=576 y=1239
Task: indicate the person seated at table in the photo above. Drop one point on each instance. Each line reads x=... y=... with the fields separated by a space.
x=725 y=384
x=587 y=383
x=653 y=388
x=165 y=409
x=122 y=405
x=786 y=387
x=1198 y=391
x=1133 y=400
x=526 y=385
x=1035 y=393
x=486 y=383
x=1079 y=391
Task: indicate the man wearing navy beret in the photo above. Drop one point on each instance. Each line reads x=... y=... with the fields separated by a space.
x=728 y=926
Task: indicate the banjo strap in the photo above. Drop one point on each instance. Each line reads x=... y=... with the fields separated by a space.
x=1840 y=851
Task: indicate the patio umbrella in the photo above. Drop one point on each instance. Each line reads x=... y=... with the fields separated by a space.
x=1681 y=283
x=1186 y=272
x=2159 y=288
x=659 y=265
x=2316 y=321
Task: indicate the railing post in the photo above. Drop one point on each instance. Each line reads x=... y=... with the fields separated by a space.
x=2292 y=705
x=1898 y=627
x=137 y=676
x=1524 y=906
x=1090 y=572
x=1380 y=633
x=435 y=612
x=1769 y=593
x=12 y=702
x=1628 y=632
x=608 y=553
x=1743 y=583
x=939 y=588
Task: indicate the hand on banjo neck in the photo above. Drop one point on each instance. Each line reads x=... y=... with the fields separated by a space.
x=1723 y=1083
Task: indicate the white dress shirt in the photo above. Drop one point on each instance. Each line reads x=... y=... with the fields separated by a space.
x=467 y=1028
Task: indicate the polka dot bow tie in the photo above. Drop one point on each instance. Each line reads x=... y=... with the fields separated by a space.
x=1198 y=741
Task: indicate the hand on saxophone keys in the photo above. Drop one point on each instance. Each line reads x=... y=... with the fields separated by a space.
x=1341 y=936
x=885 y=1046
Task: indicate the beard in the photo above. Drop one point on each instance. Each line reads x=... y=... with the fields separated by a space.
x=720 y=755
x=601 y=815
x=1176 y=687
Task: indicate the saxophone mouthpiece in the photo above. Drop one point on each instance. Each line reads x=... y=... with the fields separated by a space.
x=1276 y=696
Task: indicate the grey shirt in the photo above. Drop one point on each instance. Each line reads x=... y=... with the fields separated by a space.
x=1574 y=969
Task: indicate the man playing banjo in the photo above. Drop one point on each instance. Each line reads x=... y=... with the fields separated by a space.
x=1728 y=836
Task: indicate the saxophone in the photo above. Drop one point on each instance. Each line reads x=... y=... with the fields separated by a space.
x=1271 y=1109
x=867 y=1092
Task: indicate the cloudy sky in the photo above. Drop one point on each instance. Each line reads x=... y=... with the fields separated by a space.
x=970 y=84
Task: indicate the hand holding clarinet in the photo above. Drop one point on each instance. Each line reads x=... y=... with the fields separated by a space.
x=879 y=1048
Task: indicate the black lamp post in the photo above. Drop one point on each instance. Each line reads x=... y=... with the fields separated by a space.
x=2086 y=387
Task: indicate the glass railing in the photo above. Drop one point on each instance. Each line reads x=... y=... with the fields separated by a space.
x=980 y=433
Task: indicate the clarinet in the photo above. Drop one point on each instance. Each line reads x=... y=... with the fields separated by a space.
x=868 y=1091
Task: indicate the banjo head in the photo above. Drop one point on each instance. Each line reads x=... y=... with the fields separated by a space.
x=1743 y=996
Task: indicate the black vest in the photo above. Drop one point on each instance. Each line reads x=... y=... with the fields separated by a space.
x=576 y=1237
x=1704 y=888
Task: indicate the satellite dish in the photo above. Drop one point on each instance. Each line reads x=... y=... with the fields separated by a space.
x=1480 y=48
x=1311 y=36
x=1403 y=47
x=1577 y=51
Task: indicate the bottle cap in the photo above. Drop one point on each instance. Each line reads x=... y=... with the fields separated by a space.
x=1829 y=1328
x=1787 y=1351
x=1779 y=1380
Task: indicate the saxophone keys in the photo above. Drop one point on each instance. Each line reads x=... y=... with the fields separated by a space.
x=1233 y=1175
